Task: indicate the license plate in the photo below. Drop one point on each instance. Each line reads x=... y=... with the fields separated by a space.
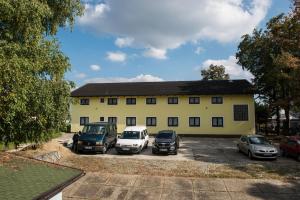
x=87 y=147
x=125 y=149
x=163 y=150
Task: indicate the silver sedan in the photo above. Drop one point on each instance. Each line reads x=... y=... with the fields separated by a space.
x=257 y=146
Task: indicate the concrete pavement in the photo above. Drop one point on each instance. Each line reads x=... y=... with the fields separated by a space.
x=137 y=187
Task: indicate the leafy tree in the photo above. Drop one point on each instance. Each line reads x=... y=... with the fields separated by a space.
x=33 y=92
x=214 y=72
x=272 y=56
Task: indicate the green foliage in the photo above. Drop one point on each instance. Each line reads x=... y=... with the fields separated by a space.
x=214 y=72
x=273 y=57
x=34 y=98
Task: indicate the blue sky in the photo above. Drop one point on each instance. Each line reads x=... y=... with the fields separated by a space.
x=139 y=40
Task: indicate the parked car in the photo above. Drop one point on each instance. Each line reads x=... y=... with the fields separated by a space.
x=290 y=146
x=97 y=137
x=166 y=141
x=133 y=140
x=257 y=146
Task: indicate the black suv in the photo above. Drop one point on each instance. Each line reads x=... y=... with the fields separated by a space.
x=166 y=141
x=96 y=137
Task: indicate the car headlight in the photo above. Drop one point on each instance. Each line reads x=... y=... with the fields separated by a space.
x=172 y=143
x=79 y=142
x=98 y=143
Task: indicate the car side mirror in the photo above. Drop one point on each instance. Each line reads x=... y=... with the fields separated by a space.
x=79 y=132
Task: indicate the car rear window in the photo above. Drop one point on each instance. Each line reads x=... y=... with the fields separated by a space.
x=166 y=135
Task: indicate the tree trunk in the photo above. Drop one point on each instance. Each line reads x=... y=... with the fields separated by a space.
x=287 y=120
x=278 y=120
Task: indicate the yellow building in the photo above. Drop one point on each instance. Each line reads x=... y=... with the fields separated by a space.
x=223 y=107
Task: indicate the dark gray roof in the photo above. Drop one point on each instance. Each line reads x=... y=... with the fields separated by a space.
x=212 y=87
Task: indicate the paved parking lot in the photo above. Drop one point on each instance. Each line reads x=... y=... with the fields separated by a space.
x=206 y=150
x=116 y=186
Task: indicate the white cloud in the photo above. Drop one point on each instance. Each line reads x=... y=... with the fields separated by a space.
x=169 y=24
x=80 y=75
x=95 y=67
x=199 y=50
x=156 y=53
x=116 y=56
x=138 y=78
x=234 y=70
x=124 y=42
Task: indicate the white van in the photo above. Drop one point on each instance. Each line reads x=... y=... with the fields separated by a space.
x=133 y=140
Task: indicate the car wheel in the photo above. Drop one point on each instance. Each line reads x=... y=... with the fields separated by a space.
x=114 y=143
x=175 y=153
x=153 y=151
x=239 y=149
x=104 y=150
x=282 y=153
x=146 y=145
x=250 y=155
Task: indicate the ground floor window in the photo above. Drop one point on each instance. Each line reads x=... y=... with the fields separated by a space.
x=101 y=119
x=194 y=121
x=172 y=121
x=112 y=120
x=130 y=121
x=217 y=122
x=150 y=121
x=84 y=120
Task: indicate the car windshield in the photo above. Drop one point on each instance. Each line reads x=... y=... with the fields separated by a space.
x=258 y=140
x=93 y=129
x=164 y=135
x=130 y=135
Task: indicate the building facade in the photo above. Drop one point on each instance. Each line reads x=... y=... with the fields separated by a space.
x=188 y=107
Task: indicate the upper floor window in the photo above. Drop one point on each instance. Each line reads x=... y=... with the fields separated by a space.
x=84 y=101
x=112 y=120
x=130 y=121
x=150 y=100
x=217 y=100
x=150 y=121
x=194 y=100
x=101 y=119
x=172 y=121
x=194 y=121
x=130 y=101
x=112 y=101
x=84 y=121
x=217 y=122
x=172 y=100
x=101 y=100
x=240 y=112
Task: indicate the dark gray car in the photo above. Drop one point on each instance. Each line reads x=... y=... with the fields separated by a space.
x=257 y=146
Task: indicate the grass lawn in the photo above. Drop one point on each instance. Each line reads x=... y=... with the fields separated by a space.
x=22 y=178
